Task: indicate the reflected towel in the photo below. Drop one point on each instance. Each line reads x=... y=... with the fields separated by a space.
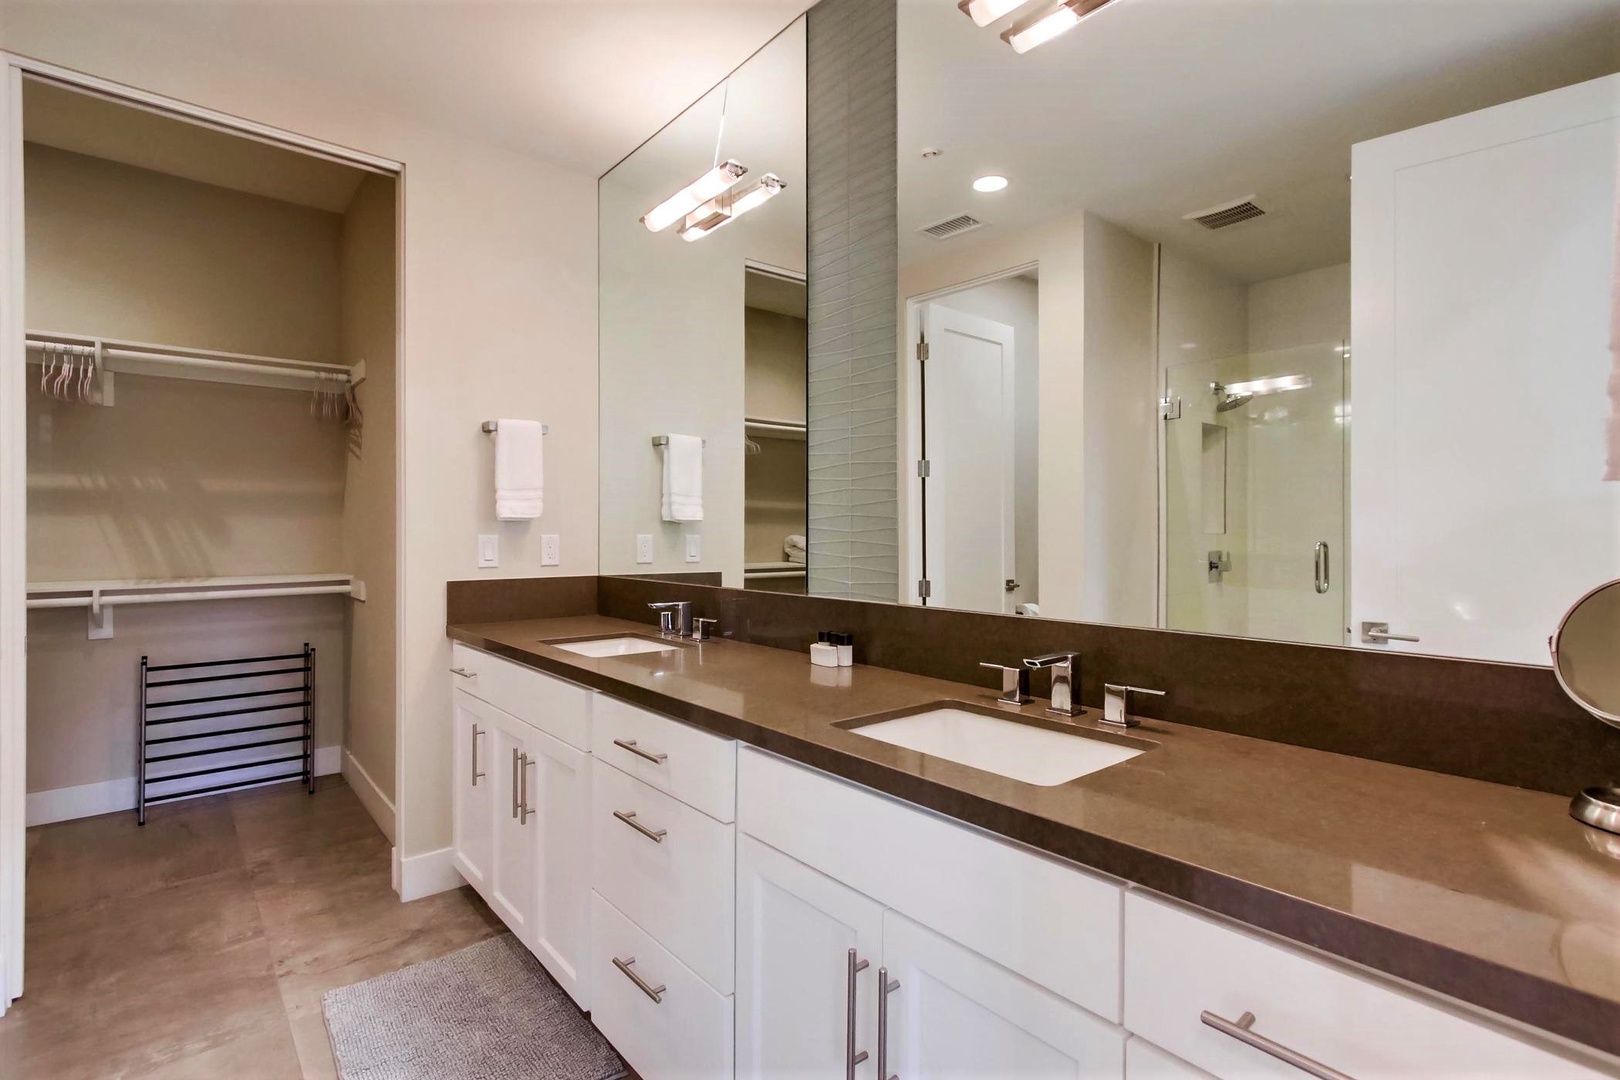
x=683 y=478
x=520 y=473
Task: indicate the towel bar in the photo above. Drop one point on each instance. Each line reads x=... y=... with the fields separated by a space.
x=489 y=427
x=663 y=440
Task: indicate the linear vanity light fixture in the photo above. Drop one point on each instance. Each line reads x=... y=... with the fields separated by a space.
x=1040 y=28
x=985 y=12
x=693 y=195
x=727 y=207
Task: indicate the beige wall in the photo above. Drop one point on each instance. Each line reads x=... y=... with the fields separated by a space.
x=1301 y=309
x=1118 y=554
x=499 y=284
x=775 y=479
x=370 y=503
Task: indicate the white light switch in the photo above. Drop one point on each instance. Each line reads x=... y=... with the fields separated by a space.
x=694 y=547
x=550 y=549
x=489 y=550
x=644 y=547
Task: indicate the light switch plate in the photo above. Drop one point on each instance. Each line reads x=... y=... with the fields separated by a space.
x=644 y=547
x=489 y=550
x=550 y=549
x=694 y=547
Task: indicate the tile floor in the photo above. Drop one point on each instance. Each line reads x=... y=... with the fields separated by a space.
x=198 y=947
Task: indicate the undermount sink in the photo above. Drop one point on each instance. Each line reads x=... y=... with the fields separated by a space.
x=1019 y=748
x=627 y=645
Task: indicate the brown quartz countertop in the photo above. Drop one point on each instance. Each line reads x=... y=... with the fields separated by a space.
x=1490 y=894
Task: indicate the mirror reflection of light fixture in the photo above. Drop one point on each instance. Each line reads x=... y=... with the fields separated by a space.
x=728 y=206
x=985 y=12
x=1042 y=27
x=702 y=190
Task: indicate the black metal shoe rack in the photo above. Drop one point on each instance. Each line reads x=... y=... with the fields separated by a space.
x=264 y=685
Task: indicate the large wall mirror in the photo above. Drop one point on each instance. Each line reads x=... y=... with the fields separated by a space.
x=1275 y=318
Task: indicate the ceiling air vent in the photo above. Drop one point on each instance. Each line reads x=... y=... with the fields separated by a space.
x=951 y=226
x=1227 y=214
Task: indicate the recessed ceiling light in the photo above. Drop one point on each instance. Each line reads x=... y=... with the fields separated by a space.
x=990 y=183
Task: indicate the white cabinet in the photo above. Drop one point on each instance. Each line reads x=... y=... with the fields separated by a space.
x=473 y=788
x=951 y=1013
x=521 y=807
x=808 y=952
x=1144 y=1061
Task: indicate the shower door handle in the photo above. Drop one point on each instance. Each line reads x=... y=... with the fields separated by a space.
x=1323 y=570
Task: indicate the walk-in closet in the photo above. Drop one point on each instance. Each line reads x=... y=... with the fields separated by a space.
x=212 y=326
x=776 y=468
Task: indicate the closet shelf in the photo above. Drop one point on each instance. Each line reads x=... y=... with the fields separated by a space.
x=767 y=567
x=96 y=595
x=760 y=428
x=115 y=355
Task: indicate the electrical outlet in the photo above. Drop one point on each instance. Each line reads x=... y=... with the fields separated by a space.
x=489 y=550
x=550 y=549
x=694 y=547
x=644 y=547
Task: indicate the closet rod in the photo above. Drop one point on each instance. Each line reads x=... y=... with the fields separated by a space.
x=123 y=353
x=170 y=598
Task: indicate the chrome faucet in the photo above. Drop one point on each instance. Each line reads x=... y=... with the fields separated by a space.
x=1065 y=678
x=674 y=618
x=1014 y=684
x=1117 y=704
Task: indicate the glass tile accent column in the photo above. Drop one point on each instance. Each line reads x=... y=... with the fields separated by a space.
x=853 y=297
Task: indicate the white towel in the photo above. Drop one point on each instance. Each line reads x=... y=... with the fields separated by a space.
x=683 y=478
x=793 y=548
x=520 y=474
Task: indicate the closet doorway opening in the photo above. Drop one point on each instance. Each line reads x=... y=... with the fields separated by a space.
x=209 y=332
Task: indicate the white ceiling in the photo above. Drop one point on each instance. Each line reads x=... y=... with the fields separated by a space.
x=85 y=124
x=1153 y=109
x=581 y=82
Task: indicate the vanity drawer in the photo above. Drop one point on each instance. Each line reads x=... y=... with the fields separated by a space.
x=697 y=768
x=1179 y=964
x=558 y=708
x=686 y=1034
x=680 y=888
x=1046 y=920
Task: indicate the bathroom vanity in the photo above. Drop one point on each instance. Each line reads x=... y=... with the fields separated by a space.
x=700 y=844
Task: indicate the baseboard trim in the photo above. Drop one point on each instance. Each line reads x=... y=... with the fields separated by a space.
x=372 y=797
x=113 y=796
x=428 y=873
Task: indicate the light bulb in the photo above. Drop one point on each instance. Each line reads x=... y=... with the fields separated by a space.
x=694 y=195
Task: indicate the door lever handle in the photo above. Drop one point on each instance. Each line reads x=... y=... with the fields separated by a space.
x=1377 y=633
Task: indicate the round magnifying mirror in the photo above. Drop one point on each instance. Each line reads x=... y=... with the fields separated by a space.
x=1586 y=659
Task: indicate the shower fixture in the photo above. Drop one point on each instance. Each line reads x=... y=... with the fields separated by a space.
x=1231 y=396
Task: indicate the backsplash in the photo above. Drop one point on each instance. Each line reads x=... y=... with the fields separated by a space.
x=1504 y=723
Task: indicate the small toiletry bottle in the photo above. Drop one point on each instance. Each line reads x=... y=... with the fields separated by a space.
x=823 y=653
x=846 y=649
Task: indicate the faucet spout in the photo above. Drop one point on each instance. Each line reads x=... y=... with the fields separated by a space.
x=1065 y=681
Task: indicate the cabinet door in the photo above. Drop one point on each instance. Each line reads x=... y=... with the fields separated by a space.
x=474 y=785
x=558 y=830
x=800 y=937
x=956 y=1014
x=513 y=865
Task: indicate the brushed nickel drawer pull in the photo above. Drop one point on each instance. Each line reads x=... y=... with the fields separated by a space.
x=654 y=992
x=477 y=773
x=525 y=811
x=852 y=1057
x=464 y=673
x=630 y=745
x=514 y=781
x=629 y=818
x=1243 y=1031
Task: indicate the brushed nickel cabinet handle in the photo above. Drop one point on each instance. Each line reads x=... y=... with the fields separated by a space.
x=654 y=992
x=477 y=773
x=630 y=745
x=852 y=1057
x=1243 y=1031
x=886 y=986
x=514 y=781
x=464 y=673
x=629 y=818
x=525 y=811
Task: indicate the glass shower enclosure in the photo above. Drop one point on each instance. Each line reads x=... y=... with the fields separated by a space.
x=1255 y=523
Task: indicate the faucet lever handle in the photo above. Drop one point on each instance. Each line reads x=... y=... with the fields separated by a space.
x=703 y=629
x=1117 y=703
x=1014 y=683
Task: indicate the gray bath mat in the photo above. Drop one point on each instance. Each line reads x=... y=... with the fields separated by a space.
x=486 y=1012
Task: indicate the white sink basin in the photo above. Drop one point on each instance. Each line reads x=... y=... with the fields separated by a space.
x=1035 y=755
x=615 y=646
